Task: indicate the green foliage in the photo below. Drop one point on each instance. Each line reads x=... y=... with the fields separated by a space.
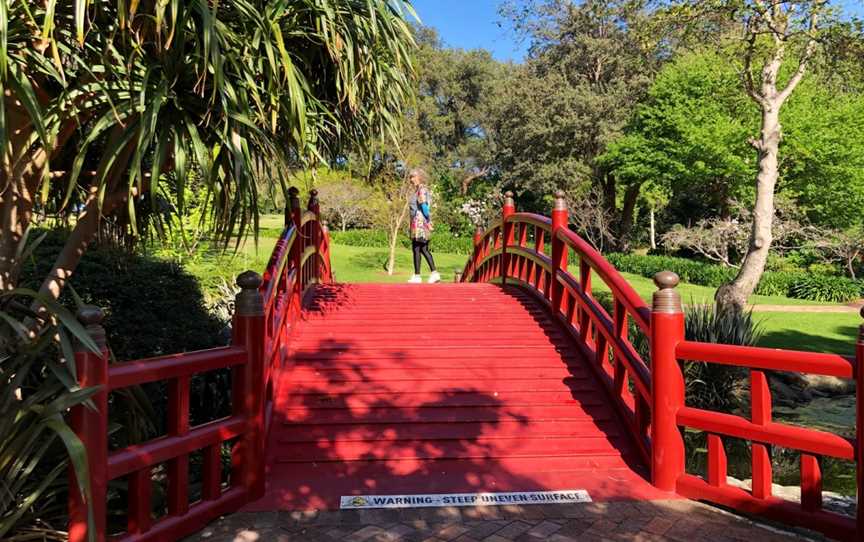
x=152 y=306
x=777 y=283
x=713 y=386
x=826 y=288
x=690 y=136
x=36 y=390
x=239 y=92
x=441 y=241
x=691 y=271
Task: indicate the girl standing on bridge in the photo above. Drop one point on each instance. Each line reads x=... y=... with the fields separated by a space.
x=421 y=225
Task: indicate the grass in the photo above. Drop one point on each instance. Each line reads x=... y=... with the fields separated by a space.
x=818 y=332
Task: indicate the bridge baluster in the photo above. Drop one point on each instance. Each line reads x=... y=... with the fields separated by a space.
x=91 y=426
x=717 y=463
x=297 y=247
x=560 y=219
x=667 y=383
x=507 y=236
x=760 y=399
x=314 y=235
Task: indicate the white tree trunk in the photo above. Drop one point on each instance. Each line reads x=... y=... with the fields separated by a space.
x=735 y=294
x=652 y=229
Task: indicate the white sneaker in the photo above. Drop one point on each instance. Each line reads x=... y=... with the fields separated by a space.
x=434 y=277
x=415 y=279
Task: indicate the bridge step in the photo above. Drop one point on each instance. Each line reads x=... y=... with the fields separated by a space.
x=444 y=388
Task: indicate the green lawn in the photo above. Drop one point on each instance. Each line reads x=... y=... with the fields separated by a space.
x=825 y=332
x=819 y=332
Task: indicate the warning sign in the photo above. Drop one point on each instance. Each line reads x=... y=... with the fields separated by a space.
x=465 y=499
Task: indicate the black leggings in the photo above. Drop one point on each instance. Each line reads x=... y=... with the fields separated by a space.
x=421 y=247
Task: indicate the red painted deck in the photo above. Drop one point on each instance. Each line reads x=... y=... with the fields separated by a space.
x=444 y=388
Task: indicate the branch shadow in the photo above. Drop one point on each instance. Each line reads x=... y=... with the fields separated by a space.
x=353 y=418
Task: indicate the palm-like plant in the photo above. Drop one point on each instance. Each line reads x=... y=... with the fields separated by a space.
x=35 y=391
x=238 y=90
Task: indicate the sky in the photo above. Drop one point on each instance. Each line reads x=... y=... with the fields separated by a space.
x=472 y=24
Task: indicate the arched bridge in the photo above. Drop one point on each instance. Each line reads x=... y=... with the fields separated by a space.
x=519 y=378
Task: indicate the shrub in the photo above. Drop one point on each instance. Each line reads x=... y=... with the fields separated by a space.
x=777 y=283
x=442 y=240
x=692 y=271
x=712 y=386
x=826 y=288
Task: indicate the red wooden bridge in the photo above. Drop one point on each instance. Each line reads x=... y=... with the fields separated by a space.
x=515 y=379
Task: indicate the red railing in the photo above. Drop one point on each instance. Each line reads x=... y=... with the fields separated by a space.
x=651 y=396
x=265 y=314
x=524 y=259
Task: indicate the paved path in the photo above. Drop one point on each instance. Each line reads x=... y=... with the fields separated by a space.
x=806 y=308
x=675 y=521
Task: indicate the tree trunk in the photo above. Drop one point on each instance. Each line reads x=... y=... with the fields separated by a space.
x=625 y=224
x=735 y=294
x=651 y=228
x=394 y=239
x=391 y=257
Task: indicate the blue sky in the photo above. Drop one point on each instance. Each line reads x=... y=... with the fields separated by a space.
x=472 y=24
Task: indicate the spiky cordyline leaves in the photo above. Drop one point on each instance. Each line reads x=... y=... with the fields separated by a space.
x=293 y=81
x=36 y=389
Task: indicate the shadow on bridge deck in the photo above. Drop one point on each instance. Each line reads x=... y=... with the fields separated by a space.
x=407 y=389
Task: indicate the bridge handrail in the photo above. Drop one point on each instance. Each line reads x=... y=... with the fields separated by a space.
x=655 y=409
x=266 y=310
x=571 y=299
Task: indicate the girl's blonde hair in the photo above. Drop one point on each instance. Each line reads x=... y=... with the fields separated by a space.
x=420 y=172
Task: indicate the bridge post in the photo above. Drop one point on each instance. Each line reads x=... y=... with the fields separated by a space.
x=314 y=236
x=507 y=236
x=560 y=220
x=859 y=391
x=667 y=383
x=91 y=426
x=476 y=255
x=297 y=247
x=249 y=384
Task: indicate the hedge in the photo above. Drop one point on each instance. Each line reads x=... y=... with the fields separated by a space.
x=795 y=284
x=441 y=241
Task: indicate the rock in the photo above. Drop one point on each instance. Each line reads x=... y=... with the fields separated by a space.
x=833 y=502
x=830 y=385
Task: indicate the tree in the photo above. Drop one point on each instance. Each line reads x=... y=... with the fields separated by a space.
x=142 y=94
x=689 y=139
x=776 y=33
x=590 y=64
x=345 y=200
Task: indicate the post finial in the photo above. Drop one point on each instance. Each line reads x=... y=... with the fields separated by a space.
x=313 y=200
x=666 y=298
x=508 y=198
x=294 y=198
x=560 y=201
x=249 y=302
x=91 y=318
